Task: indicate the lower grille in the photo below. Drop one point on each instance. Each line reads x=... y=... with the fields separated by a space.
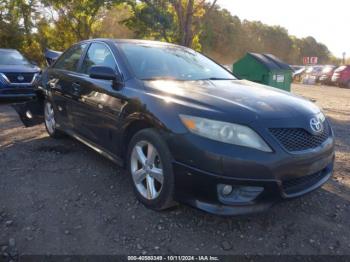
x=18 y=78
x=298 y=139
x=300 y=184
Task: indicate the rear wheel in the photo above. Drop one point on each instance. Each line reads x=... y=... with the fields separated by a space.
x=150 y=167
x=50 y=120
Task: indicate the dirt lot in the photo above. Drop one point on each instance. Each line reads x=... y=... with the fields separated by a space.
x=60 y=197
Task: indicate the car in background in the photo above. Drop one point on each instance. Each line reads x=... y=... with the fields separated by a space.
x=326 y=74
x=312 y=75
x=296 y=67
x=51 y=56
x=298 y=72
x=17 y=76
x=341 y=76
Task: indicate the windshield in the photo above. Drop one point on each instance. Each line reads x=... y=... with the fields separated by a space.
x=9 y=57
x=150 y=62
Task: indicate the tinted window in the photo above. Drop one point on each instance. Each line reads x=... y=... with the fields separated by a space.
x=170 y=61
x=12 y=57
x=98 y=54
x=69 y=60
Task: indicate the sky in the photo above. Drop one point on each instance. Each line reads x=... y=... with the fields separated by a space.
x=327 y=21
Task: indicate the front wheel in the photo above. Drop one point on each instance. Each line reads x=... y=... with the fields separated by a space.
x=50 y=120
x=150 y=167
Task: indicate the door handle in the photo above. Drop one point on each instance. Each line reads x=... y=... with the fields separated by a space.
x=54 y=85
x=76 y=88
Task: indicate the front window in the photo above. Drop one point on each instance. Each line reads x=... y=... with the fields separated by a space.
x=12 y=57
x=171 y=62
x=98 y=55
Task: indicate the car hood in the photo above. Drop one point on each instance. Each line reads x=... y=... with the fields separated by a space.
x=239 y=98
x=19 y=69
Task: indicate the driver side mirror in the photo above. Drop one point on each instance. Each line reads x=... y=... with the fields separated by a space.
x=106 y=73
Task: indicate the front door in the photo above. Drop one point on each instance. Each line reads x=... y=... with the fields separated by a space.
x=97 y=112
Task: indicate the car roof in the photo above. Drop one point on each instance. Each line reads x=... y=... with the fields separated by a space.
x=131 y=41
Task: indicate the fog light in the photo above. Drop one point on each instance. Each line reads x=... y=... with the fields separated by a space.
x=29 y=114
x=226 y=190
x=238 y=194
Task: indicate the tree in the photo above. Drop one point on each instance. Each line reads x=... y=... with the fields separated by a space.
x=33 y=25
x=175 y=21
x=81 y=17
x=11 y=33
x=112 y=26
x=152 y=19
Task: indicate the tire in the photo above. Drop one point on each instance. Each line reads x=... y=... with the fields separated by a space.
x=347 y=84
x=50 y=121
x=152 y=189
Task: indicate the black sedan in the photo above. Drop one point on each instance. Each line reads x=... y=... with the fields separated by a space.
x=17 y=76
x=185 y=128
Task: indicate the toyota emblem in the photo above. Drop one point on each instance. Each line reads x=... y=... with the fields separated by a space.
x=316 y=125
x=20 y=78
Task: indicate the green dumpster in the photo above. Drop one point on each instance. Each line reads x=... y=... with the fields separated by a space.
x=264 y=69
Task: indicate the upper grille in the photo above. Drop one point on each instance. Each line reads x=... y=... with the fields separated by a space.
x=298 y=139
x=13 y=77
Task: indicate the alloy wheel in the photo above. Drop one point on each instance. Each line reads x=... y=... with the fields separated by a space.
x=146 y=170
x=50 y=118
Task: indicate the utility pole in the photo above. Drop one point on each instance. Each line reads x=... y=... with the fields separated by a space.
x=344 y=56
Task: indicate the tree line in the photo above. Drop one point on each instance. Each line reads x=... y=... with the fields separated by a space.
x=33 y=25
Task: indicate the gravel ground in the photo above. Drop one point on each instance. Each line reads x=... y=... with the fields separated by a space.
x=60 y=197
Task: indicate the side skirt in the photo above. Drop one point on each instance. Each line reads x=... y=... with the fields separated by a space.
x=115 y=159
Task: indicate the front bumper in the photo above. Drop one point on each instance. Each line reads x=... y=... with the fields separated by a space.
x=200 y=189
x=201 y=165
x=17 y=94
x=325 y=79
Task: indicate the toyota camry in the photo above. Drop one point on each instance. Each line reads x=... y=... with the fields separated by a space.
x=185 y=128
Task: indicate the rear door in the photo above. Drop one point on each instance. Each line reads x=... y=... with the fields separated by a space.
x=61 y=79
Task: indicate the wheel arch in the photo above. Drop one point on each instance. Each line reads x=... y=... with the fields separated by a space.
x=135 y=123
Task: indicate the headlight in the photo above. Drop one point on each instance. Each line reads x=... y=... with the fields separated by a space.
x=3 y=80
x=225 y=132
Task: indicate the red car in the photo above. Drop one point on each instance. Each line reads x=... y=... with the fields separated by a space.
x=341 y=76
